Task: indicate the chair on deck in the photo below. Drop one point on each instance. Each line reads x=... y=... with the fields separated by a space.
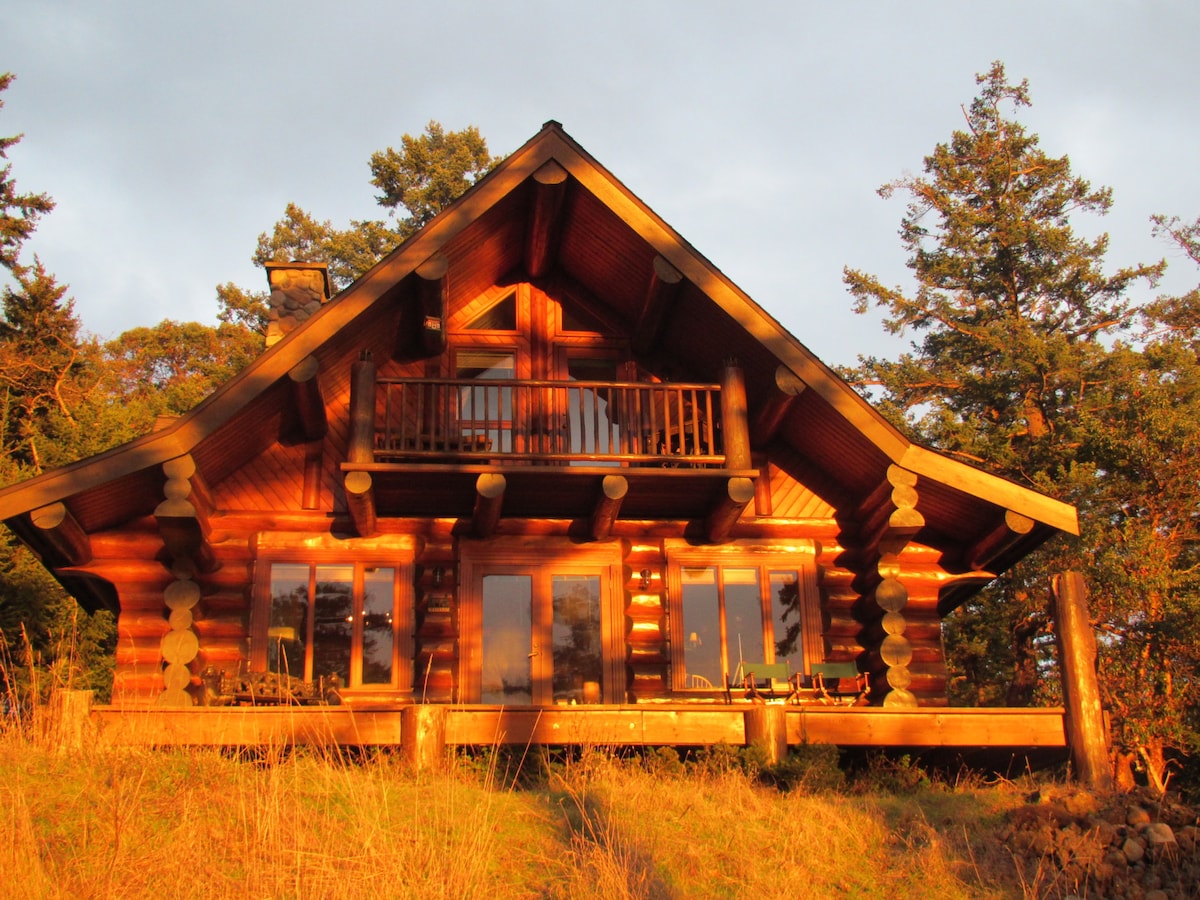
x=762 y=681
x=840 y=683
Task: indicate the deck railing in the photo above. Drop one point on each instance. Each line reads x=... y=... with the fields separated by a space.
x=568 y=422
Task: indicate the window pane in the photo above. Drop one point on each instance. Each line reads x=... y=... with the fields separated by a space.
x=379 y=590
x=506 y=675
x=288 y=628
x=333 y=622
x=576 y=638
x=701 y=629
x=487 y=411
x=743 y=616
x=785 y=612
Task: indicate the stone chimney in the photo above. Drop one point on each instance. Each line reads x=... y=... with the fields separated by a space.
x=297 y=291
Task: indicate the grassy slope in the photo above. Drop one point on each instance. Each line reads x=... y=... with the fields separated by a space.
x=199 y=824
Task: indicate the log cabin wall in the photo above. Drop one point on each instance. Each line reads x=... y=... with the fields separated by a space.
x=649 y=659
x=436 y=625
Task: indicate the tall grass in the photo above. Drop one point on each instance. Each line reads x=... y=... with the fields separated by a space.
x=313 y=823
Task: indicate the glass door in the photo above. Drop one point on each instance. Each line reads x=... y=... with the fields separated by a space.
x=541 y=635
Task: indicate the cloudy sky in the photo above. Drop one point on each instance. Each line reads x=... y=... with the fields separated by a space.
x=172 y=134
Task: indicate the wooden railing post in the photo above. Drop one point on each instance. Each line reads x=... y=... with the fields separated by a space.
x=735 y=420
x=1086 y=734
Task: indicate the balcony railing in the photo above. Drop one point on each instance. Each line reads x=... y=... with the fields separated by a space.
x=566 y=422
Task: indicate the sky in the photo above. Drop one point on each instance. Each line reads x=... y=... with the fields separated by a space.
x=171 y=135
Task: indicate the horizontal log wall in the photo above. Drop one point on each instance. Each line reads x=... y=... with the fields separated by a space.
x=647 y=664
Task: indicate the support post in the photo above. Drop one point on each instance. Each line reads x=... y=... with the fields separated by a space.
x=608 y=506
x=1086 y=734
x=70 y=713
x=360 y=502
x=489 y=498
x=361 y=447
x=738 y=493
x=735 y=422
x=423 y=736
x=766 y=724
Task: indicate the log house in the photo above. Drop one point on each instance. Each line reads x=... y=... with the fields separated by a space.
x=546 y=466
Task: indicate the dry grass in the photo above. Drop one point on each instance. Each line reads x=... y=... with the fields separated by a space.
x=202 y=824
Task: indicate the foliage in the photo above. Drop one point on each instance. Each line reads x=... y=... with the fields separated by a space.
x=417 y=181
x=1030 y=360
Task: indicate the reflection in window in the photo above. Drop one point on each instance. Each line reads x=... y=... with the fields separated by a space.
x=506 y=676
x=377 y=619
x=287 y=632
x=786 y=614
x=330 y=620
x=486 y=410
x=722 y=622
x=576 y=638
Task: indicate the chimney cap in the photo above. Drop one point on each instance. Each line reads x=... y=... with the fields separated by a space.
x=296 y=265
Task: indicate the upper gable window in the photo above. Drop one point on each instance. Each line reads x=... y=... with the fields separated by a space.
x=500 y=316
x=576 y=318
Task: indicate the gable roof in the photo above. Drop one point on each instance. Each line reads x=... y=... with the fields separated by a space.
x=607 y=246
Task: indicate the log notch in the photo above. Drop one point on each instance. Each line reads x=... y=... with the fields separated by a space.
x=738 y=493
x=608 y=505
x=735 y=421
x=62 y=532
x=186 y=541
x=541 y=240
x=646 y=643
x=310 y=409
x=772 y=413
x=1086 y=734
x=489 y=498
x=889 y=521
x=183 y=517
x=660 y=298
x=433 y=287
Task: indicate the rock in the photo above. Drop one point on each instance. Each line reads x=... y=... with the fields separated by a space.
x=1134 y=849
x=1135 y=816
x=1155 y=894
x=1081 y=803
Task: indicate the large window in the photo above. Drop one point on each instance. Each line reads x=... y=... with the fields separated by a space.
x=741 y=607
x=345 y=619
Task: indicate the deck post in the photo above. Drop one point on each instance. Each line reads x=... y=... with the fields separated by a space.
x=361 y=447
x=766 y=724
x=1086 y=733
x=423 y=736
x=69 y=715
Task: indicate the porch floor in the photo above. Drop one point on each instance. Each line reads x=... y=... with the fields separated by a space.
x=657 y=724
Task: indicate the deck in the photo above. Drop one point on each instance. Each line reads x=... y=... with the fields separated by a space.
x=666 y=724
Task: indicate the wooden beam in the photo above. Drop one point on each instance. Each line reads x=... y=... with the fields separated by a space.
x=772 y=413
x=310 y=497
x=1014 y=527
x=541 y=239
x=738 y=493
x=360 y=502
x=608 y=505
x=489 y=497
x=63 y=533
x=361 y=447
x=433 y=289
x=1086 y=734
x=660 y=297
x=306 y=394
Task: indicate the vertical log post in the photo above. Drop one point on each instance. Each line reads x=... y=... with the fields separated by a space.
x=735 y=421
x=1086 y=734
x=766 y=724
x=70 y=712
x=361 y=448
x=423 y=736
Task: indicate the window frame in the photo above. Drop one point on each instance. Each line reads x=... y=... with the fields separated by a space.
x=402 y=613
x=800 y=559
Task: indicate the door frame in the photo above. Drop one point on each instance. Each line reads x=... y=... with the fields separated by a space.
x=541 y=557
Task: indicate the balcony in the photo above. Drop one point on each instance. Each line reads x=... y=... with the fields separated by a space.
x=574 y=423
x=588 y=452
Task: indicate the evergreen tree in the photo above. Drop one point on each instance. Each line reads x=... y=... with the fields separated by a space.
x=1029 y=362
